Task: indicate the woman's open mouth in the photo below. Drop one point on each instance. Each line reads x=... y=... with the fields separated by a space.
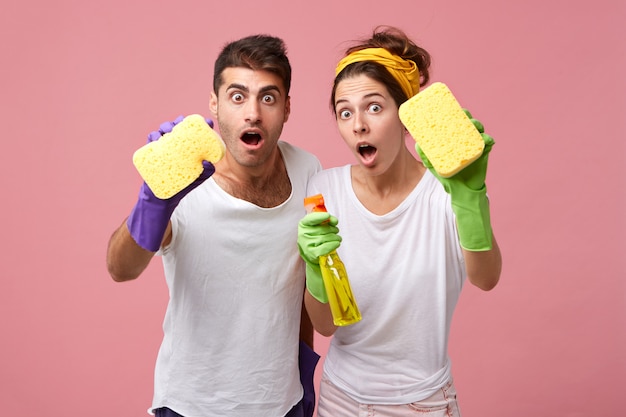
x=367 y=152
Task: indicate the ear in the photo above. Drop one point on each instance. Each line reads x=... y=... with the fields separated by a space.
x=287 y=108
x=213 y=104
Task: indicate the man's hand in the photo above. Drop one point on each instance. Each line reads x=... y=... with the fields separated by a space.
x=150 y=216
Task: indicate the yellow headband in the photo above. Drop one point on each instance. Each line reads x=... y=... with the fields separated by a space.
x=403 y=70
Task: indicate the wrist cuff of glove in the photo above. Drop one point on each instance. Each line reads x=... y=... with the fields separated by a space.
x=473 y=220
x=148 y=221
x=315 y=283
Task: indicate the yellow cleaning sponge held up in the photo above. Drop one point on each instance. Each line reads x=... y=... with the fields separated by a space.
x=442 y=130
x=175 y=160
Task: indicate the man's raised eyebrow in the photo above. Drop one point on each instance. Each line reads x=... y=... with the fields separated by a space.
x=270 y=87
x=236 y=86
x=265 y=89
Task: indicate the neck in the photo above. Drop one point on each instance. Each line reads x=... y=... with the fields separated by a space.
x=382 y=193
x=404 y=173
x=266 y=186
x=258 y=174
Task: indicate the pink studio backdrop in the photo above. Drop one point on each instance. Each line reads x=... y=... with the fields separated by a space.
x=84 y=82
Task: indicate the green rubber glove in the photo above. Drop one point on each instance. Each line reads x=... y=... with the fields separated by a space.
x=468 y=194
x=317 y=236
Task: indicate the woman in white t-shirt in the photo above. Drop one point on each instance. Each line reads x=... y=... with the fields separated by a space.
x=408 y=240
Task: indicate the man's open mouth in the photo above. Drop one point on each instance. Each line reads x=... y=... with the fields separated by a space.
x=251 y=138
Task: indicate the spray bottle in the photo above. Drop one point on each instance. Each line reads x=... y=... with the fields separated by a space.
x=342 y=304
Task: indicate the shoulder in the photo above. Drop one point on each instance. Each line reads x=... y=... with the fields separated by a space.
x=430 y=190
x=331 y=177
x=293 y=153
x=300 y=164
x=333 y=172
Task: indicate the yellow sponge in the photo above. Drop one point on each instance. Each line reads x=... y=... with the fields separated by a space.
x=442 y=130
x=175 y=160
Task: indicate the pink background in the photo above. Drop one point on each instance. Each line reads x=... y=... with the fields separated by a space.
x=84 y=82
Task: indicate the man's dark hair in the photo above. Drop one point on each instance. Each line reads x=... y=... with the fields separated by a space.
x=256 y=52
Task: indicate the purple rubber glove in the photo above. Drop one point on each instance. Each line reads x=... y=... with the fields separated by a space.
x=150 y=216
x=307 y=361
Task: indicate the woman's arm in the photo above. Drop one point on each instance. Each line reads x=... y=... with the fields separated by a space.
x=484 y=268
x=320 y=315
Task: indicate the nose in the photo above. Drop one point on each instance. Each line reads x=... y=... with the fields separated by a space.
x=253 y=111
x=360 y=125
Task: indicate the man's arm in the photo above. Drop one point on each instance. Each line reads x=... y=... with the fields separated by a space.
x=306 y=328
x=126 y=260
x=148 y=227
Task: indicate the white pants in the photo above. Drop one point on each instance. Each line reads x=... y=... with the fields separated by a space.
x=335 y=403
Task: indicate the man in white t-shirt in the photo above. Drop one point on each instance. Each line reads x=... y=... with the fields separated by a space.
x=233 y=323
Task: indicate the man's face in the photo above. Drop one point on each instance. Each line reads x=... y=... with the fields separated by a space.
x=251 y=108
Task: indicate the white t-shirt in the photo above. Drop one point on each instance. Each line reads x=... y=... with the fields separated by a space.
x=236 y=281
x=406 y=270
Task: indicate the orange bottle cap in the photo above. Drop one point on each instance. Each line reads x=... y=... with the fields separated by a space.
x=314 y=203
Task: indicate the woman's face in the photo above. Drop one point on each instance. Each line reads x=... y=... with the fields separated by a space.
x=367 y=118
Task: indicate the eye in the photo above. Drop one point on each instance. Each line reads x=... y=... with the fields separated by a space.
x=268 y=99
x=344 y=114
x=237 y=97
x=374 y=108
